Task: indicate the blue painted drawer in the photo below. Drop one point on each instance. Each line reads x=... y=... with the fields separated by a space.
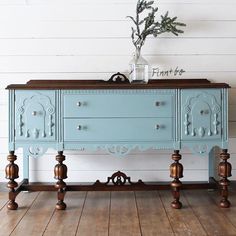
x=122 y=129
x=201 y=114
x=118 y=105
x=35 y=115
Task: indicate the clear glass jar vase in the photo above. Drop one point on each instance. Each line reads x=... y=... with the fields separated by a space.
x=139 y=69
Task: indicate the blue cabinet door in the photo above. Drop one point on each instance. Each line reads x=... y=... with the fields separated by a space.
x=35 y=115
x=201 y=114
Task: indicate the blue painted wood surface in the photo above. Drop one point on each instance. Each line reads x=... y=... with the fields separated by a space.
x=117 y=120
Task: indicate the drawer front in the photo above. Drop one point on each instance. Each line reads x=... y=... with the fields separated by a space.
x=118 y=105
x=35 y=115
x=123 y=129
x=201 y=114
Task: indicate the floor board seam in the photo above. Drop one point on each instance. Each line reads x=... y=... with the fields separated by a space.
x=53 y=212
x=109 y=218
x=140 y=227
x=82 y=210
x=186 y=198
x=158 y=195
x=222 y=211
x=25 y=213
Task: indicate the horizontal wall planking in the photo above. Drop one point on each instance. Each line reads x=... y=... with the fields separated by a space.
x=130 y=162
x=232 y=112
x=122 y=46
x=92 y=176
x=106 y=29
x=154 y=160
x=13 y=2
x=232 y=129
x=232 y=94
x=114 y=12
x=50 y=64
x=91 y=2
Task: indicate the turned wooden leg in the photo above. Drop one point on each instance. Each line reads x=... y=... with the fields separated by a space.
x=176 y=172
x=12 y=171
x=60 y=173
x=224 y=171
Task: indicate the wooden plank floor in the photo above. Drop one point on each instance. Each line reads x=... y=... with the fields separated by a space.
x=118 y=213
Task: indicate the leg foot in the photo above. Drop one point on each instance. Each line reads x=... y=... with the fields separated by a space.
x=60 y=205
x=12 y=171
x=60 y=172
x=176 y=204
x=12 y=205
x=225 y=203
x=176 y=172
x=224 y=171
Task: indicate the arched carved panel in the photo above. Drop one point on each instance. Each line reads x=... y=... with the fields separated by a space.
x=35 y=116
x=201 y=115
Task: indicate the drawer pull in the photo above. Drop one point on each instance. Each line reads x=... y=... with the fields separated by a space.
x=34 y=113
x=158 y=104
x=79 y=127
x=206 y=112
x=79 y=104
x=158 y=126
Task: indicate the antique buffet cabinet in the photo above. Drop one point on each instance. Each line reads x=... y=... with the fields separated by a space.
x=118 y=117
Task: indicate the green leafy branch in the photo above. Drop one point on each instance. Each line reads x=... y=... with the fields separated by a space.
x=148 y=26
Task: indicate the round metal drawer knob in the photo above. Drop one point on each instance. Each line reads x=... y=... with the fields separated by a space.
x=157 y=104
x=158 y=127
x=79 y=127
x=34 y=113
x=79 y=104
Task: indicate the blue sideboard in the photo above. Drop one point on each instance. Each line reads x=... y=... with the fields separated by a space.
x=117 y=117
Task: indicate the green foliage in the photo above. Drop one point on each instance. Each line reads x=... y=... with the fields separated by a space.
x=149 y=26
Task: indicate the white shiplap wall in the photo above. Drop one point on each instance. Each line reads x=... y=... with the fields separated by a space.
x=81 y=39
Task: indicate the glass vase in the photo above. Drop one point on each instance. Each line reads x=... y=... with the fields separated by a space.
x=139 y=69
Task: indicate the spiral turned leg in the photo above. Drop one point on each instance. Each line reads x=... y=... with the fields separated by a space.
x=12 y=171
x=60 y=172
x=224 y=171
x=176 y=172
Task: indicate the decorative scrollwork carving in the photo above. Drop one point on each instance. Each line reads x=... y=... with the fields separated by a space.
x=201 y=115
x=35 y=151
x=39 y=106
x=118 y=150
x=118 y=78
x=200 y=149
x=118 y=179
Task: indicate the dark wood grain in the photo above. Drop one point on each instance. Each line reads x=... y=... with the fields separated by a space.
x=199 y=216
x=124 y=215
x=10 y=219
x=66 y=222
x=3 y=199
x=183 y=222
x=37 y=217
x=95 y=216
x=209 y=214
x=100 y=84
x=152 y=215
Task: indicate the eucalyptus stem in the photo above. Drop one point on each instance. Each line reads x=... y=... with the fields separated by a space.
x=149 y=26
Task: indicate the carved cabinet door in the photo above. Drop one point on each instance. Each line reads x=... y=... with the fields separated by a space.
x=35 y=115
x=201 y=114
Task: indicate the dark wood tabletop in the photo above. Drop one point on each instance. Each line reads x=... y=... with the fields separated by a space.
x=102 y=84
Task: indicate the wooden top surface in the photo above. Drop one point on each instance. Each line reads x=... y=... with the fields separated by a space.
x=101 y=84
